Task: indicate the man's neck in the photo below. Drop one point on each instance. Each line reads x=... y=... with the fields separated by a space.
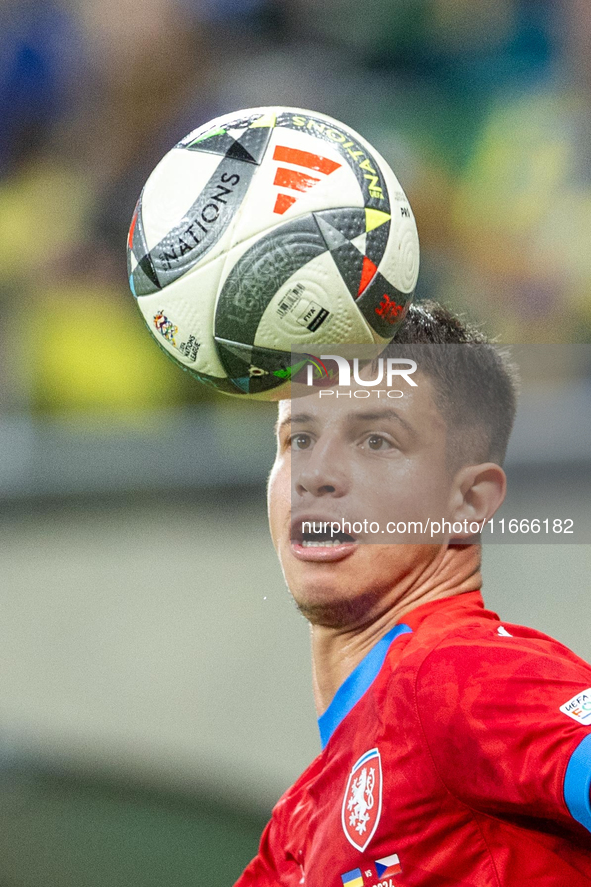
x=336 y=652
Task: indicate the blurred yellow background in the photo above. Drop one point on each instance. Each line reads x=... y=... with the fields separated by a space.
x=483 y=111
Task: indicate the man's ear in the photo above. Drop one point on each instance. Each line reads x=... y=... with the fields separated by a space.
x=478 y=492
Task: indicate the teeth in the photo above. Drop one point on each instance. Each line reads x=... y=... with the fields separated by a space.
x=328 y=543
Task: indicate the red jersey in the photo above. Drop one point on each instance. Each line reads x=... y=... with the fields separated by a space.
x=457 y=753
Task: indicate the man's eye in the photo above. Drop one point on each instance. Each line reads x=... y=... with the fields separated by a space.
x=376 y=443
x=301 y=441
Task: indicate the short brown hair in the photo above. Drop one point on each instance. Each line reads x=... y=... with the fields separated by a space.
x=475 y=381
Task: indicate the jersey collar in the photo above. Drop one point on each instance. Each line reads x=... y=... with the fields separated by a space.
x=353 y=687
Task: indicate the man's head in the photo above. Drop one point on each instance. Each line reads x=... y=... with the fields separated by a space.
x=475 y=381
x=384 y=465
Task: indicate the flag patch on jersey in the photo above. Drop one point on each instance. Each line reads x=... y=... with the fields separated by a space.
x=579 y=707
x=354 y=878
x=389 y=865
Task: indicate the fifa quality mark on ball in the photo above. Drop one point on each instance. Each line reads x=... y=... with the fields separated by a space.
x=304 y=309
x=267 y=227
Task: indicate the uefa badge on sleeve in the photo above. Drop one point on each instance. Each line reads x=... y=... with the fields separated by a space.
x=362 y=803
x=579 y=707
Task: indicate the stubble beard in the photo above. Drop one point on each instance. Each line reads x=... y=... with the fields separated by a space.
x=342 y=613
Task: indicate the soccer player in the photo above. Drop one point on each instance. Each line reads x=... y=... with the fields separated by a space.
x=456 y=748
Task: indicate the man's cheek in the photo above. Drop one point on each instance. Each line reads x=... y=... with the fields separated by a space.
x=278 y=501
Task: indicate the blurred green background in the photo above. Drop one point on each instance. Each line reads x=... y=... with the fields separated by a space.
x=154 y=682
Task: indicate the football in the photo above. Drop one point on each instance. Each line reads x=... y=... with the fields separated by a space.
x=265 y=233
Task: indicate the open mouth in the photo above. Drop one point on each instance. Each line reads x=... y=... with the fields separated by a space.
x=324 y=540
x=320 y=540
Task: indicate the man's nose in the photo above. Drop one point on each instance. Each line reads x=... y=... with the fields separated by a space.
x=324 y=473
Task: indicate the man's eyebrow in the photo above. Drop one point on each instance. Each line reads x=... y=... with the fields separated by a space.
x=365 y=416
x=292 y=419
x=376 y=415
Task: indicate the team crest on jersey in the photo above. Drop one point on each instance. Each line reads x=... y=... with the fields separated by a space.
x=362 y=803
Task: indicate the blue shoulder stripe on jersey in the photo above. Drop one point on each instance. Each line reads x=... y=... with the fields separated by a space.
x=353 y=688
x=577 y=783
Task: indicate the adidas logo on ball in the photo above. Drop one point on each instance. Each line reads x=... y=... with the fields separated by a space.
x=295 y=179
